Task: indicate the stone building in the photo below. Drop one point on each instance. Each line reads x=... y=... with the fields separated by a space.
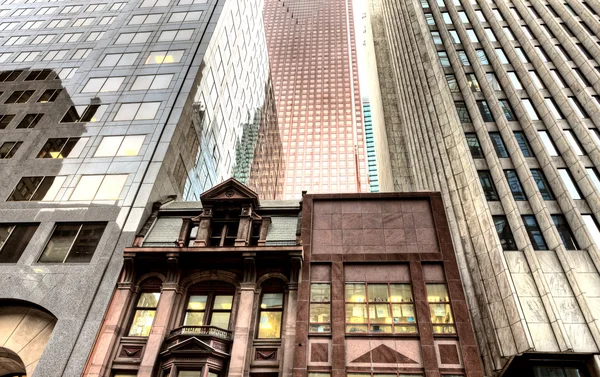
x=337 y=285
x=495 y=105
x=105 y=108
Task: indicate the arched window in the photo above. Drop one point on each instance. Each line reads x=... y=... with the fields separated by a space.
x=271 y=310
x=209 y=304
x=145 y=308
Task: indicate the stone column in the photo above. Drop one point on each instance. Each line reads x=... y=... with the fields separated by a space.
x=264 y=229
x=113 y=323
x=289 y=335
x=203 y=227
x=164 y=311
x=243 y=320
x=245 y=227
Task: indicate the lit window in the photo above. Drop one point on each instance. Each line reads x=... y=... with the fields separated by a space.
x=569 y=183
x=209 y=309
x=270 y=312
x=99 y=187
x=164 y=57
x=534 y=232
x=504 y=233
x=542 y=184
x=150 y=82
x=63 y=147
x=144 y=314
x=487 y=184
x=103 y=84
x=320 y=308
x=439 y=307
x=137 y=111
x=14 y=238
x=548 y=143
x=36 y=189
x=9 y=148
x=120 y=146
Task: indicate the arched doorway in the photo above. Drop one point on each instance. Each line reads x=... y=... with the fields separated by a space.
x=25 y=329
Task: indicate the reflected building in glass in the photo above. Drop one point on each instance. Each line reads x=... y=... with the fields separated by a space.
x=106 y=108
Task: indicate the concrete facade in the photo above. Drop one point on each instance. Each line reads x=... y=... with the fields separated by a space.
x=458 y=85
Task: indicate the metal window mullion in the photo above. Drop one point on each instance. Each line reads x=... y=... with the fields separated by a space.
x=72 y=243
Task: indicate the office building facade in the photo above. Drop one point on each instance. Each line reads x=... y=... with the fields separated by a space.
x=333 y=286
x=312 y=52
x=105 y=108
x=495 y=104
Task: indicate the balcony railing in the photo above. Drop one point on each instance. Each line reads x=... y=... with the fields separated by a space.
x=202 y=330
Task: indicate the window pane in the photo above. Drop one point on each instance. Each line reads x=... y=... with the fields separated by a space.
x=13 y=241
x=504 y=233
x=147 y=110
x=441 y=314
x=485 y=111
x=194 y=319
x=127 y=111
x=356 y=292
x=87 y=187
x=515 y=185
x=222 y=303
x=197 y=302
x=474 y=146
x=86 y=243
x=437 y=293
x=148 y=300
x=111 y=187
x=60 y=243
x=272 y=301
x=142 y=323
x=48 y=189
x=161 y=81
x=221 y=320
x=548 y=144
x=25 y=189
x=523 y=144
x=400 y=293
x=320 y=292
x=542 y=184
x=269 y=325
x=356 y=313
x=535 y=233
x=567 y=237
x=568 y=181
x=592 y=227
x=498 y=145
x=320 y=313
x=530 y=109
x=487 y=185
x=378 y=292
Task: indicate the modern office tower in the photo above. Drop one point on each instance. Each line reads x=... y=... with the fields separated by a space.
x=370 y=144
x=105 y=108
x=312 y=53
x=495 y=104
x=352 y=286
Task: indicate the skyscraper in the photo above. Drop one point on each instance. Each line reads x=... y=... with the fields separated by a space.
x=495 y=104
x=312 y=53
x=370 y=144
x=105 y=108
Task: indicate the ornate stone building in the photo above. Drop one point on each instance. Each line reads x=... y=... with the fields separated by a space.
x=336 y=285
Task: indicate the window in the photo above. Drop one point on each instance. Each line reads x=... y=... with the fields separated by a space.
x=523 y=144
x=42 y=39
x=446 y=18
x=485 y=111
x=542 y=54
x=20 y=96
x=176 y=35
x=493 y=80
x=39 y=75
x=455 y=37
x=507 y=110
x=185 y=16
x=129 y=38
x=379 y=308
x=55 y=24
x=112 y=60
x=211 y=308
x=548 y=143
x=49 y=95
x=515 y=80
x=117 y=6
x=534 y=233
x=515 y=185
x=14 y=41
x=536 y=80
x=99 y=187
x=595 y=135
x=95 y=36
x=23 y=12
x=473 y=83
x=164 y=57
x=504 y=233
x=81 y=53
x=31 y=25
x=9 y=148
x=137 y=111
x=508 y=33
x=569 y=183
x=522 y=55
x=557 y=78
x=72 y=243
x=70 y=37
x=501 y=56
x=487 y=184
x=490 y=34
x=154 y=3
x=480 y=16
x=120 y=146
x=145 y=19
x=452 y=83
x=462 y=56
x=554 y=110
x=8 y=76
x=8 y=25
x=463 y=113
x=435 y=35
x=472 y=36
x=63 y=147
x=580 y=77
x=271 y=311
x=581 y=113
x=498 y=144
x=474 y=145
x=592 y=227
x=55 y=55
x=29 y=121
x=531 y=111
x=71 y=9
x=145 y=310
x=189 y=2
x=570 y=136
x=87 y=21
x=567 y=237
x=107 y=20
x=594 y=176
x=5 y=120
x=320 y=308
x=444 y=61
x=36 y=189
x=14 y=238
x=439 y=307
x=103 y=84
x=95 y=8
x=91 y=113
x=542 y=184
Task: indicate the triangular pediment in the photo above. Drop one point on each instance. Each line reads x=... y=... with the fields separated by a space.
x=192 y=344
x=384 y=355
x=229 y=190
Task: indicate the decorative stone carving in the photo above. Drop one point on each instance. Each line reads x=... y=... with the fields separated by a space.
x=266 y=354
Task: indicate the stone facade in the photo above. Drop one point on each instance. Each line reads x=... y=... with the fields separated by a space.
x=530 y=298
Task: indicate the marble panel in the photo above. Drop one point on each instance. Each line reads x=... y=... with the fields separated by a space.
x=589 y=283
x=580 y=337
x=525 y=285
x=569 y=310
x=543 y=337
x=549 y=261
x=558 y=284
x=533 y=309
x=517 y=263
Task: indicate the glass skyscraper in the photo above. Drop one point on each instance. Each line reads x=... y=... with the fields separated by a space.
x=107 y=107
